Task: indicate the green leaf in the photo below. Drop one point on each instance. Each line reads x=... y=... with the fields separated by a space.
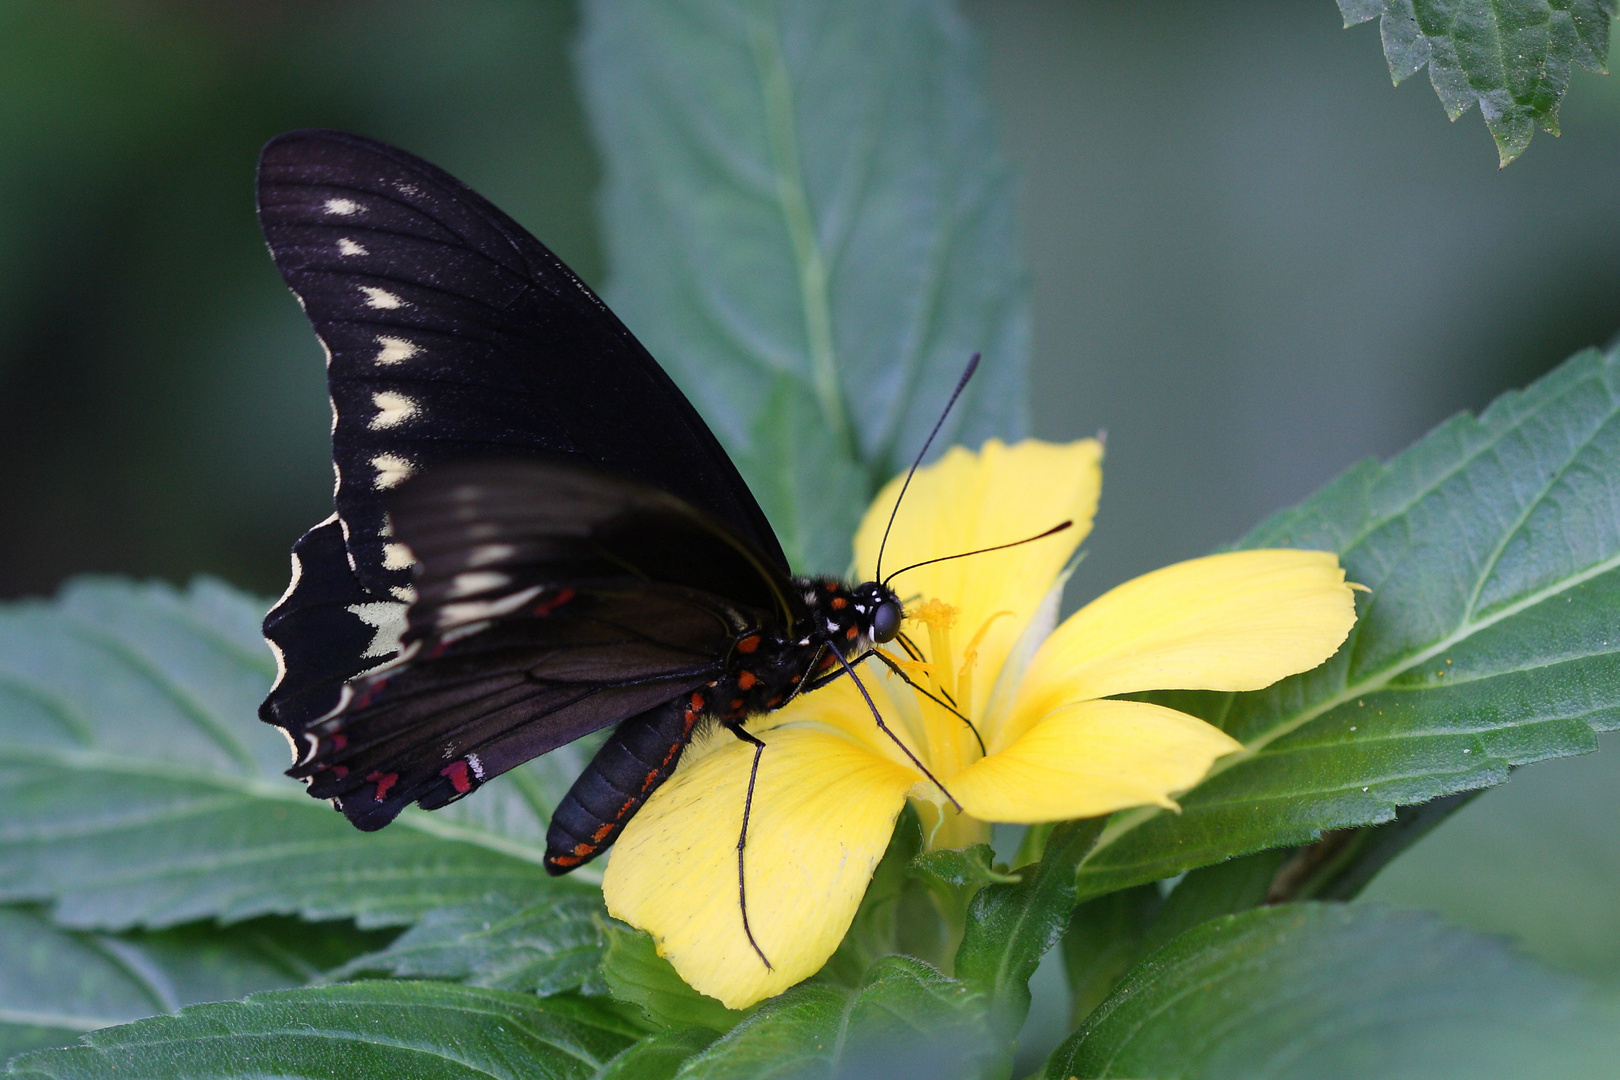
x=658 y=1057
x=634 y=972
x=806 y=199
x=57 y=984
x=1011 y=926
x=501 y=942
x=1102 y=942
x=805 y=481
x=1511 y=58
x=138 y=787
x=1342 y=863
x=953 y=878
x=1212 y=891
x=965 y=869
x=1333 y=992
x=421 y=1030
x=1488 y=640
x=906 y=1020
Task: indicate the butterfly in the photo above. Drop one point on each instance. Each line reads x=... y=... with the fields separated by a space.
x=536 y=536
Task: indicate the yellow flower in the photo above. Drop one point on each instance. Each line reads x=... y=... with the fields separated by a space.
x=831 y=784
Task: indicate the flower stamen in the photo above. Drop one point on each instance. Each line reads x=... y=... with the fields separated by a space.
x=970 y=657
x=939 y=617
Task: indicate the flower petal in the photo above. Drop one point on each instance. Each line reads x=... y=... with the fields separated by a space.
x=824 y=808
x=1092 y=758
x=968 y=500
x=1237 y=621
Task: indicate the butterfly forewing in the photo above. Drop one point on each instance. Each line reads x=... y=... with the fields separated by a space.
x=453 y=334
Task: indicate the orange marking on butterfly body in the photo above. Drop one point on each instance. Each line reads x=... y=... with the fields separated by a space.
x=748 y=644
x=652 y=778
x=566 y=860
x=582 y=850
x=852 y=633
x=746 y=680
x=839 y=603
x=602 y=834
x=629 y=804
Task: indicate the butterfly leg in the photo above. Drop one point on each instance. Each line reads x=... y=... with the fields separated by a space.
x=878 y=717
x=944 y=703
x=738 y=730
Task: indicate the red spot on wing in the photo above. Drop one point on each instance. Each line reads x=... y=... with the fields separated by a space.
x=340 y=771
x=551 y=603
x=748 y=644
x=384 y=781
x=339 y=741
x=457 y=772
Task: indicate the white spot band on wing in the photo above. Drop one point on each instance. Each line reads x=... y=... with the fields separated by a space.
x=475 y=582
x=349 y=247
x=381 y=299
x=395 y=350
x=388 y=620
x=392 y=470
x=480 y=610
x=397 y=556
x=393 y=409
x=342 y=207
x=484 y=554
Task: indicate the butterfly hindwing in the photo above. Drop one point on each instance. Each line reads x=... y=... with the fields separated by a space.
x=550 y=601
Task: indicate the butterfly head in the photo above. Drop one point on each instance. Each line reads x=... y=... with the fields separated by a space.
x=879 y=609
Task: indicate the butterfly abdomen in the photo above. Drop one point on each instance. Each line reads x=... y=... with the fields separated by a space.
x=763 y=670
x=640 y=754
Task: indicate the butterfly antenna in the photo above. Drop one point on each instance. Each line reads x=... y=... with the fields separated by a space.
x=1053 y=531
x=961 y=384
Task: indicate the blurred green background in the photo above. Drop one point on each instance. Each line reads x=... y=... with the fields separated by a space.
x=1253 y=263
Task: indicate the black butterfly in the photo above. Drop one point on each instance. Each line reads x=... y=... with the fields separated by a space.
x=536 y=535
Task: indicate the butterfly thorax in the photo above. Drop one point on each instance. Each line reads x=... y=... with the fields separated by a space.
x=767 y=667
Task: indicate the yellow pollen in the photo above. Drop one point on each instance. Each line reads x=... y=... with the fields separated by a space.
x=935 y=614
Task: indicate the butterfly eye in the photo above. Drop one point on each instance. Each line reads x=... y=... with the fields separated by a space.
x=886 y=621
